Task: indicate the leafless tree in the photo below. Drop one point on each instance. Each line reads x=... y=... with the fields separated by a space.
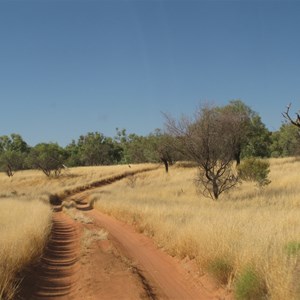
x=287 y=116
x=211 y=140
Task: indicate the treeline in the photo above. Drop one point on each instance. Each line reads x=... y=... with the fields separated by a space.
x=94 y=149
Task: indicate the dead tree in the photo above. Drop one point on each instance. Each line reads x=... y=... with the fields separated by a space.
x=210 y=141
x=287 y=116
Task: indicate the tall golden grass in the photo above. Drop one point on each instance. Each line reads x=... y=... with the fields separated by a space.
x=24 y=228
x=34 y=182
x=247 y=229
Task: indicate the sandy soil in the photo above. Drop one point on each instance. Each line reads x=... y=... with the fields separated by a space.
x=77 y=264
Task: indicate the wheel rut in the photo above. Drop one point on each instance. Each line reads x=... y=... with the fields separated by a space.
x=59 y=270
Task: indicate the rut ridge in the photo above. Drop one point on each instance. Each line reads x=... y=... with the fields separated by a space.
x=99 y=183
x=59 y=269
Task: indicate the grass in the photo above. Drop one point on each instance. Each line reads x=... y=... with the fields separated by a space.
x=23 y=181
x=24 y=229
x=249 y=228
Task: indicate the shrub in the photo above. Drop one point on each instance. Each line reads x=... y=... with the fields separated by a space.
x=253 y=169
x=250 y=286
x=221 y=269
x=292 y=248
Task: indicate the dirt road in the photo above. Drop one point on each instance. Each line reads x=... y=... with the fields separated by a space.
x=84 y=261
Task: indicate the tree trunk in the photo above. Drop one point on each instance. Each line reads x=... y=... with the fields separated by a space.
x=166 y=164
x=215 y=189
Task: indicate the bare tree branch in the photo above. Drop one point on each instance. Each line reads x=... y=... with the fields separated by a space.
x=287 y=116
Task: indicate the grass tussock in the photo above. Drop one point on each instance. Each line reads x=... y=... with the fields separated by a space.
x=248 y=240
x=24 y=229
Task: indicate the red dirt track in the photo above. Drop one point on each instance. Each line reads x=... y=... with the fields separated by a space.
x=125 y=265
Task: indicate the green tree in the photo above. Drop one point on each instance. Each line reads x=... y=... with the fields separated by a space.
x=13 y=152
x=154 y=148
x=48 y=157
x=93 y=149
x=286 y=141
x=159 y=148
x=253 y=139
x=73 y=155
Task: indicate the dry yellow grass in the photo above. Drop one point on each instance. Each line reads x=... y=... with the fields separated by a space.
x=247 y=227
x=33 y=182
x=24 y=228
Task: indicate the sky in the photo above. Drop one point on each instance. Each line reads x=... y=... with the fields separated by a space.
x=68 y=67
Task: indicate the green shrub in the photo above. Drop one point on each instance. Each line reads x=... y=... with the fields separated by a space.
x=253 y=169
x=250 y=286
x=221 y=269
x=292 y=248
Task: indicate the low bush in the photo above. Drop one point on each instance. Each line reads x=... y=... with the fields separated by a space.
x=253 y=169
x=250 y=286
x=221 y=269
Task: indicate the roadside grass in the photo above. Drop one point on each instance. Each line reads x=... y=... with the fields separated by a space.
x=33 y=182
x=248 y=240
x=24 y=229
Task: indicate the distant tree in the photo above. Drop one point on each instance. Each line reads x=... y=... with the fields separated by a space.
x=252 y=137
x=48 y=157
x=153 y=148
x=134 y=151
x=13 y=152
x=160 y=147
x=93 y=149
x=211 y=140
x=285 y=141
x=12 y=161
x=73 y=155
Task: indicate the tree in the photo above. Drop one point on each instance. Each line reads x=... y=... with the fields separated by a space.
x=48 y=157
x=93 y=149
x=253 y=139
x=286 y=115
x=13 y=152
x=154 y=148
x=160 y=148
x=211 y=140
x=285 y=141
x=12 y=161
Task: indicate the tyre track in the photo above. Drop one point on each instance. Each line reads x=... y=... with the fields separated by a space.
x=59 y=270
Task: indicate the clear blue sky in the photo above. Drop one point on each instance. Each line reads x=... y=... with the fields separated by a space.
x=69 y=67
